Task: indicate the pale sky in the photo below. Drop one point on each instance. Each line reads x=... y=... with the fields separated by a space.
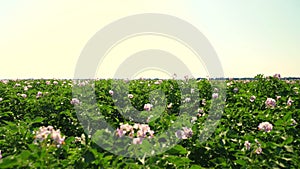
x=44 y=39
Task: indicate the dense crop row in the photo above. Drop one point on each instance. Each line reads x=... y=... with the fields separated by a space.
x=52 y=123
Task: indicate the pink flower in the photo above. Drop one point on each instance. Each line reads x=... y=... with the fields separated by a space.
x=43 y=133
x=140 y=133
x=278 y=76
x=24 y=95
x=39 y=94
x=148 y=107
x=247 y=145
x=184 y=134
x=215 y=95
x=151 y=132
x=48 y=82
x=0 y=154
x=130 y=96
x=120 y=132
x=289 y=102
x=266 y=126
x=180 y=134
x=258 y=150
x=55 y=82
x=158 y=82
x=126 y=127
x=137 y=140
x=270 y=103
x=75 y=101
x=252 y=98
x=111 y=92
x=200 y=110
x=17 y=85
x=143 y=130
x=235 y=90
x=4 y=81
x=144 y=127
x=188 y=131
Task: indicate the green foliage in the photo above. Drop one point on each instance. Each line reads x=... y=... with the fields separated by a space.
x=21 y=116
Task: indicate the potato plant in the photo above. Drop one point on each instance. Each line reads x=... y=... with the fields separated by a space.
x=40 y=125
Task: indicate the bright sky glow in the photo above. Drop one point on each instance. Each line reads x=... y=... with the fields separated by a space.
x=43 y=39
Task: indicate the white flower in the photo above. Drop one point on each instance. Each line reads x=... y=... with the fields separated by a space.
x=247 y=145
x=137 y=140
x=193 y=119
x=43 y=133
x=203 y=102
x=75 y=101
x=266 y=126
x=17 y=85
x=130 y=96
x=184 y=134
x=294 y=122
x=39 y=94
x=24 y=95
x=278 y=76
x=289 y=102
x=180 y=134
x=111 y=92
x=252 y=98
x=215 y=95
x=158 y=82
x=270 y=102
x=258 y=150
x=187 y=99
x=148 y=107
x=126 y=127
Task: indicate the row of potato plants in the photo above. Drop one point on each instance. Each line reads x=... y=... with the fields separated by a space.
x=52 y=123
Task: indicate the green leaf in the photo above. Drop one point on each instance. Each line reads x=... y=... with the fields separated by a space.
x=38 y=120
x=177 y=149
x=289 y=140
x=195 y=167
x=241 y=162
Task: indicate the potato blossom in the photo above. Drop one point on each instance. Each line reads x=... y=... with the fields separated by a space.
x=43 y=133
x=247 y=144
x=270 y=103
x=148 y=107
x=266 y=126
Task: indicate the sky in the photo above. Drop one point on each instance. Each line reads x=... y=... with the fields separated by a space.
x=44 y=39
